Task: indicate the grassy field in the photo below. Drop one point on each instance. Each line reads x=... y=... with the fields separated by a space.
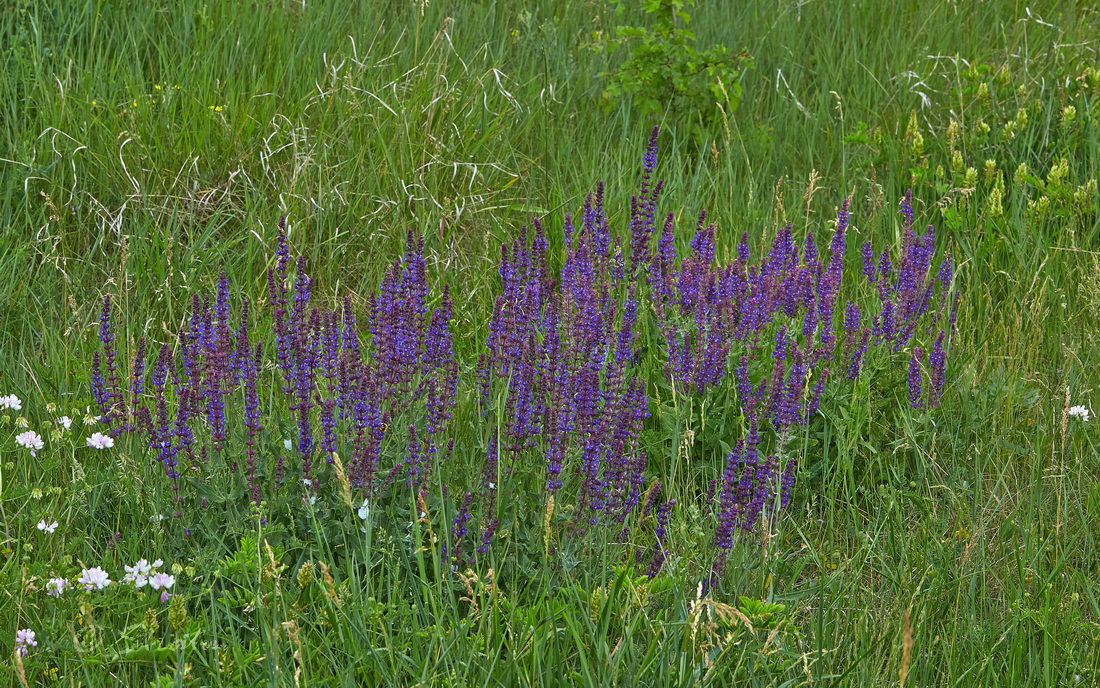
x=146 y=148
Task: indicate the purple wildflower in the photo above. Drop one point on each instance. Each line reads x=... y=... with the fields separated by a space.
x=868 y=262
x=915 y=378
x=937 y=363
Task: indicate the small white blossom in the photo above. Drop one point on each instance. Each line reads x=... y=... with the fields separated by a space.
x=56 y=586
x=288 y=445
x=22 y=422
x=29 y=439
x=47 y=527
x=364 y=511
x=1081 y=412
x=100 y=441
x=139 y=573
x=89 y=417
x=94 y=579
x=65 y=422
x=11 y=401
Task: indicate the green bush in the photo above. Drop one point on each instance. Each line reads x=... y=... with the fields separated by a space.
x=664 y=70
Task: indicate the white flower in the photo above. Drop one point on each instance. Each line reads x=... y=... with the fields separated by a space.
x=47 y=528
x=288 y=445
x=22 y=422
x=307 y=482
x=89 y=418
x=29 y=439
x=157 y=563
x=11 y=401
x=94 y=579
x=364 y=511
x=100 y=441
x=162 y=581
x=65 y=422
x=139 y=573
x=1081 y=412
x=56 y=586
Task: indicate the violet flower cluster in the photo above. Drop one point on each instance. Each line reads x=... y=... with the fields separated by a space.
x=772 y=324
x=559 y=382
x=558 y=364
x=559 y=354
x=340 y=388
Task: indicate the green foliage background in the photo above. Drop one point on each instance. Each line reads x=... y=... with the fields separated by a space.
x=145 y=146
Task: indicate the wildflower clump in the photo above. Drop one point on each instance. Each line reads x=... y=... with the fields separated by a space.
x=1081 y=412
x=578 y=342
x=24 y=639
x=30 y=440
x=98 y=440
x=56 y=586
x=94 y=579
x=141 y=573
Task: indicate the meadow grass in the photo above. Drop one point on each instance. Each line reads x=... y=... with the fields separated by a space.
x=145 y=149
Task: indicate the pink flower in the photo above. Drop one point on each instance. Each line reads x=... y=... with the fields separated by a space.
x=29 y=439
x=94 y=579
x=56 y=586
x=162 y=581
x=100 y=441
x=24 y=638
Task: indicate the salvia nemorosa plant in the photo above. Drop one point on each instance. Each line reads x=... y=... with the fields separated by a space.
x=562 y=385
x=772 y=325
x=344 y=394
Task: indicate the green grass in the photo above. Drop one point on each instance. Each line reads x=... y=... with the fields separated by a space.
x=144 y=149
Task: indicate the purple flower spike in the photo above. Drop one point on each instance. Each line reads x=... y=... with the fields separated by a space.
x=915 y=399
x=487 y=535
x=282 y=250
x=460 y=527
x=937 y=364
x=114 y=402
x=252 y=424
x=869 y=262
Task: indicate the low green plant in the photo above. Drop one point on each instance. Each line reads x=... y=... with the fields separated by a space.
x=664 y=70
